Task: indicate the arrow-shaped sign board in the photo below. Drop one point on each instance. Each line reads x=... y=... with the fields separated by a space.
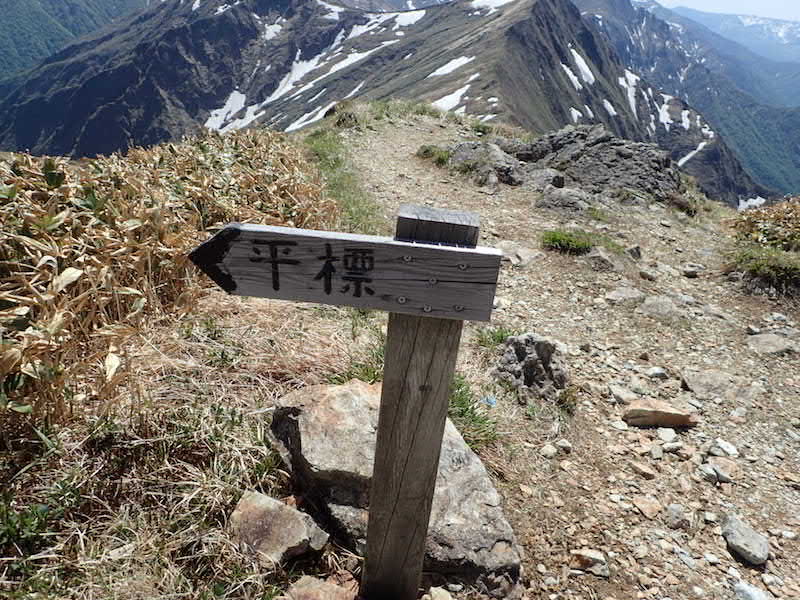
x=352 y=270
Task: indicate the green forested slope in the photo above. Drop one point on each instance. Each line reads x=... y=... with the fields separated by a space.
x=34 y=29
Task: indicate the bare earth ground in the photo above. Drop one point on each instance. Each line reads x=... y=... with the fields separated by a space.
x=584 y=499
x=164 y=485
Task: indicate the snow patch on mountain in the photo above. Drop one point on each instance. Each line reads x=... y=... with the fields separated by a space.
x=452 y=100
x=572 y=77
x=583 y=67
x=451 y=66
x=629 y=81
x=233 y=105
x=310 y=117
x=492 y=5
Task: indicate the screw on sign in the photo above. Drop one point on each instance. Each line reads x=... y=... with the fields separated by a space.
x=431 y=278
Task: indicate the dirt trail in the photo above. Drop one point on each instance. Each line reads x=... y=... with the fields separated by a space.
x=588 y=498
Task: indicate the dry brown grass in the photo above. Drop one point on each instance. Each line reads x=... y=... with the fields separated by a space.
x=90 y=251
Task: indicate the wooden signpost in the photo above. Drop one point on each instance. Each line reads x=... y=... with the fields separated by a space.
x=430 y=278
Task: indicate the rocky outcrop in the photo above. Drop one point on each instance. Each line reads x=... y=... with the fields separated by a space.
x=594 y=160
x=468 y=538
x=533 y=364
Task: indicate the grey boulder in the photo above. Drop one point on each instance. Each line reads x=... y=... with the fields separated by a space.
x=326 y=436
x=744 y=541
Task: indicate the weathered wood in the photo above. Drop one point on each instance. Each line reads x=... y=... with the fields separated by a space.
x=356 y=270
x=420 y=360
x=423 y=224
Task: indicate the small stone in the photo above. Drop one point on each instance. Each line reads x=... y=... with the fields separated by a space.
x=591 y=561
x=619 y=425
x=647 y=505
x=624 y=295
x=622 y=395
x=648 y=275
x=728 y=448
x=770 y=580
x=667 y=434
x=708 y=473
x=752 y=330
x=273 y=531
x=649 y=412
x=661 y=308
x=564 y=445
x=635 y=252
x=726 y=469
x=692 y=270
x=744 y=541
x=656 y=452
x=550 y=581
x=676 y=517
x=789 y=535
x=311 y=588
x=601 y=260
x=711 y=559
x=548 y=451
x=673 y=446
x=657 y=373
x=643 y=470
x=710 y=517
x=438 y=593
x=745 y=591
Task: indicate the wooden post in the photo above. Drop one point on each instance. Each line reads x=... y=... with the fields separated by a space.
x=420 y=361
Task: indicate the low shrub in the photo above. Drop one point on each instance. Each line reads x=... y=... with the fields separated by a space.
x=768 y=267
x=439 y=156
x=567 y=242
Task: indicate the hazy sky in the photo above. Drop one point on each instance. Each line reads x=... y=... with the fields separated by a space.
x=777 y=9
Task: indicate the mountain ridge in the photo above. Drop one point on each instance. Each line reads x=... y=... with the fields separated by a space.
x=284 y=63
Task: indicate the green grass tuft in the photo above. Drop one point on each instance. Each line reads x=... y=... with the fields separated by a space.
x=359 y=212
x=769 y=267
x=568 y=242
x=439 y=156
x=477 y=428
x=491 y=337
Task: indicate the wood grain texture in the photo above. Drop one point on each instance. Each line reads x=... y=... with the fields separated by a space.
x=420 y=361
x=354 y=270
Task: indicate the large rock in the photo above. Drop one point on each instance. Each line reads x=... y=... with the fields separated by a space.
x=706 y=384
x=274 y=531
x=311 y=588
x=745 y=591
x=744 y=541
x=487 y=161
x=539 y=179
x=517 y=254
x=570 y=199
x=592 y=159
x=649 y=412
x=624 y=295
x=535 y=364
x=326 y=436
x=771 y=344
x=661 y=308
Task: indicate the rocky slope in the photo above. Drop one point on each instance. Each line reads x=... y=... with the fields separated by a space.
x=285 y=63
x=688 y=61
x=35 y=29
x=603 y=506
